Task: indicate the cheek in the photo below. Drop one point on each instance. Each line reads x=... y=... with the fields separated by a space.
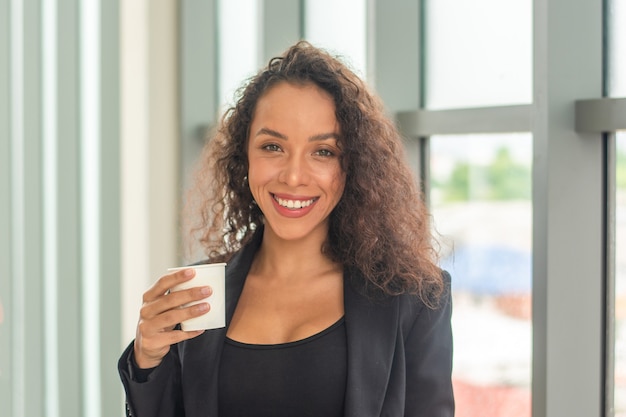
x=257 y=176
x=338 y=184
x=253 y=182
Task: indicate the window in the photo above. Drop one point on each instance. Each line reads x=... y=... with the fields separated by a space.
x=481 y=203
x=238 y=47
x=339 y=27
x=480 y=194
x=466 y=65
x=427 y=58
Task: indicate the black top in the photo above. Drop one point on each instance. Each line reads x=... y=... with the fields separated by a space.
x=302 y=378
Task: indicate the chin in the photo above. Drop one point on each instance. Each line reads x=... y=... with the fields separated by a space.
x=296 y=232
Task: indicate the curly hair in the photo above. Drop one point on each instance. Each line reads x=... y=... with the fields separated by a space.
x=380 y=227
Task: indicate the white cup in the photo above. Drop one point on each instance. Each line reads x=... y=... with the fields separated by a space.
x=211 y=275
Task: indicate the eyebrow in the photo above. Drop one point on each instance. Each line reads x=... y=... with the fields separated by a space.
x=270 y=132
x=278 y=135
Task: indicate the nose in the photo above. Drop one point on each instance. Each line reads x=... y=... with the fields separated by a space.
x=294 y=171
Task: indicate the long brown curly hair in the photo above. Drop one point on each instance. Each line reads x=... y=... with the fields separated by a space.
x=380 y=227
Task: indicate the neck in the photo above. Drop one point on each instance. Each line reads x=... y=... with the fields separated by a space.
x=289 y=259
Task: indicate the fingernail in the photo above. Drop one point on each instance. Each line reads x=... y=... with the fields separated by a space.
x=205 y=290
x=202 y=307
x=189 y=272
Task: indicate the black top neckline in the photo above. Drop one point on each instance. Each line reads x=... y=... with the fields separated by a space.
x=285 y=345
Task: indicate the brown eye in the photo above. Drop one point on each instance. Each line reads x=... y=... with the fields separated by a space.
x=325 y=153
x=271 y=147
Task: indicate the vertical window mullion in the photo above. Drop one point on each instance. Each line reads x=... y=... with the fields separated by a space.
x=608 y=388
x=17 y=202
x=32 y=210
x=567 y=212
x=281 y=25
x=110 y=255
x=89 y=167
x=6 y=306
x=71 y=389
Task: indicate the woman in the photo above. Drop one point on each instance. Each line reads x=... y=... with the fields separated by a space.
x=335 y=305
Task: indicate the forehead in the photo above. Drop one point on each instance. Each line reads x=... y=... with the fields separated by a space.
x=292 y=93
x=295 y=106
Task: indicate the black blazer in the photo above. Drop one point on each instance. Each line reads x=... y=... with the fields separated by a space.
x=399 y=358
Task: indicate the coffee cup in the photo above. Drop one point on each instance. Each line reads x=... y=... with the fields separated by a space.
x=212 y=275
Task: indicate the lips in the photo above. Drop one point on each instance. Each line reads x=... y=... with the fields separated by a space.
x=294 y=204
x=291 y=206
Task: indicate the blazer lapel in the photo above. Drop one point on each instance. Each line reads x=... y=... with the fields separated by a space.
x=371 y=328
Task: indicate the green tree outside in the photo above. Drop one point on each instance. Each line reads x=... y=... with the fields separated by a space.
x=502 y=179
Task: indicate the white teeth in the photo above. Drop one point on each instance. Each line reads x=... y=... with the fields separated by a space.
x=294 y=204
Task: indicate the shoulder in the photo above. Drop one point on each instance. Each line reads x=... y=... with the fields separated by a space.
x=406 y=311
x=427 y=321
x=408 y=301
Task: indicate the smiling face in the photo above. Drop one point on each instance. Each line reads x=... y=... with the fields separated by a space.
x=295 y=173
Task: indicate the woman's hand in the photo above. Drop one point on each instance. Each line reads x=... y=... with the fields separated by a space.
x=161 y=312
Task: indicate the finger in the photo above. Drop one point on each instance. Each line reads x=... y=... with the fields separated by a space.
x=177 y=336
x=170 y=318
x=174 y=301
x=166 y=282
